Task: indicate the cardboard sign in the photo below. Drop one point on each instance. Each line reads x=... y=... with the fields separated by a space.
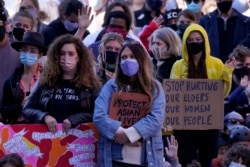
x=40 y=148
x=194 y=104
x=128 y=107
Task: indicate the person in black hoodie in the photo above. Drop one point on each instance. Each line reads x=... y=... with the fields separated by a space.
x=73 y=19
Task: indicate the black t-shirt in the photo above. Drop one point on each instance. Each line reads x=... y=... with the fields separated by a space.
x=65 y=101
x=142 y=17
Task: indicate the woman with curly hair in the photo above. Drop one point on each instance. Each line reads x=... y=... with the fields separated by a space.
x=67 y=88
x=238 y=155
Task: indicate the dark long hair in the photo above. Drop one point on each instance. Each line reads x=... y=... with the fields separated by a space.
x=145 y=76
x=199 y=71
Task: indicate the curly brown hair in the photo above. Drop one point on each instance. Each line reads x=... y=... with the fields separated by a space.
x=235 y=153
x=85 y=74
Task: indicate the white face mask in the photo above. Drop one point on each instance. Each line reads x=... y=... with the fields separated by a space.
x=235 y=164
x=96 y=4
x=160 y=53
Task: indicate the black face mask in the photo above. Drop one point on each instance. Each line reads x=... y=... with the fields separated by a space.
x=195 y=47
x=241 y=72
x=172 y=26
x=224 y=6
x=111 y=60
x=2 y=32
x=181 y=28
x=154 y=4
x=18 y=33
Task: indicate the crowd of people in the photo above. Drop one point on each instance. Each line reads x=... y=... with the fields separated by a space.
x=97 y=53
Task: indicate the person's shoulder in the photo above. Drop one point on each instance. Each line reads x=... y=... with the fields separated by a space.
x=55 y=24
x=177 y=57
x=209 y=15
x=215 y=60
x=111 y=83
x=242 y=17
x=91 y=38
x=180 y=61
x=15 y=76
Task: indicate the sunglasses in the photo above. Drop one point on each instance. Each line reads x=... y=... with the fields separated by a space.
x=195 y=1
x=235 y=121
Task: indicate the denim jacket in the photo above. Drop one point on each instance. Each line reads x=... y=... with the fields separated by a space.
x=149 y=128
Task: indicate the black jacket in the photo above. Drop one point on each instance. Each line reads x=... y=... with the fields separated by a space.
x=13 y=97
x=36 y=106
x=163 y=71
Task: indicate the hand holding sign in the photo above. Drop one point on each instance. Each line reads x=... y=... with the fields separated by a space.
x=51 y=123
x=66 y=125
x=172 y=148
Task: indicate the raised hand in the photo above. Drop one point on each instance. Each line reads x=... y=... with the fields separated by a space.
x=84 y=19
x=231 y=63
x=172 y=148
x=158 y=20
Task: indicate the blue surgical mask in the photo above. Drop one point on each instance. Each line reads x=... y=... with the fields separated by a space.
x=129 y=67
x=194 y=7
x=235 y=164
x=69 y=26
x=28 y=59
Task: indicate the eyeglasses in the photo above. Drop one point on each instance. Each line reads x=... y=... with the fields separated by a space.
x=195 y=1
x=235 y=121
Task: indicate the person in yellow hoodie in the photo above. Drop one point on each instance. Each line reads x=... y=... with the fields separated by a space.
x=198 y=63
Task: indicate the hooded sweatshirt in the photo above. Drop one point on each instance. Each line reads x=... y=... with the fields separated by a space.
x=214 y=66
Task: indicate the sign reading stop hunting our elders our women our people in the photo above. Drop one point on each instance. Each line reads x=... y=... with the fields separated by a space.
x=40 y=148
x=194 y=104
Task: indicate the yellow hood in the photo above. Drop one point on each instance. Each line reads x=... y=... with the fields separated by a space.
x=191 y=28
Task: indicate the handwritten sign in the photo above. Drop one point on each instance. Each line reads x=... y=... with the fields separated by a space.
x=194 y=104
x=40 y=148
x=128 y=107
